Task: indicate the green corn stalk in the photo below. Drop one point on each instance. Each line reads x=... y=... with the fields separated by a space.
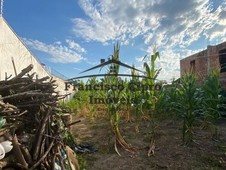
x=189 y=105
x=162 y=105
x=92 y=107
x=152 y=74
x=138 y=102
x=172 y=96
x=80 y=100
x=113 y=108
x=212 y=101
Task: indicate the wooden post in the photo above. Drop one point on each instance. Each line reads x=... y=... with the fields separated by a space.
x=14 y=67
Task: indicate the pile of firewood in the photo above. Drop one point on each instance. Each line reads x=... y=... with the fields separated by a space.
x=33 y=123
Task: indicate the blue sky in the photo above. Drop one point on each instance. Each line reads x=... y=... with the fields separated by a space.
x=71 y=36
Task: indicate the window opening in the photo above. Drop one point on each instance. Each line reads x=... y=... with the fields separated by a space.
x=222 y=59
x=192 y=66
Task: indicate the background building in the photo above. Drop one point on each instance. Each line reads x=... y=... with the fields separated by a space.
x=214 y=57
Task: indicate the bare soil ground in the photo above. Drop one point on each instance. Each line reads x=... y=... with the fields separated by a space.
x=203 y=154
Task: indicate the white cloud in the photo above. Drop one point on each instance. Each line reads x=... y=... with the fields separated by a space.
x=217 y=30
x=163 y=22
x=58 y=52
x=173 y=25
x=75 y=46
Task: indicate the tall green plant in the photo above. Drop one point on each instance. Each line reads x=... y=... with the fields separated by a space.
x=172 y=98
x=93 y=93
x=113 y=108
x=151 y=99
x=189 y=105
x=152 y=74
x=212 y=101
x=137 y=96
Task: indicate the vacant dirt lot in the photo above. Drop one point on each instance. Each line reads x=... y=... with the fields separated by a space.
x=203 y=153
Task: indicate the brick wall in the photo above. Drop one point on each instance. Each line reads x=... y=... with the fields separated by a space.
x=200 y=68
x=204 y=61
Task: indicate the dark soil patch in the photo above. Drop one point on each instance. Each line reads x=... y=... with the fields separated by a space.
x=203 y=154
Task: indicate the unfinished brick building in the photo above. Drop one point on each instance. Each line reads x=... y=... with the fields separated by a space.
x=214 y=57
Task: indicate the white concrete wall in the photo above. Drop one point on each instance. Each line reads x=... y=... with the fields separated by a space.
x=12 y=47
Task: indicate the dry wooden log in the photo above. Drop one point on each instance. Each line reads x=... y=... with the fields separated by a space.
x=31 y=76
x=26 y=94
x=40 y=136
x=8 y=111
x=58 y=157
x=35 y=83
x=43 y=156
x=48 y=132
x=7 y=77
x=36 y=102
x=36 y=105
x=14 y=67
x=42 y=148
x=17 y=152
x=42 y=79
x=7 y=105
x=4 y=87
x=73 y=123
x=15 y=115
x=26 y=154
x=22 y=73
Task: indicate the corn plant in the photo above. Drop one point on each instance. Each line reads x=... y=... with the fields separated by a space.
x=81 y=99
x=189 y=105
x=212 y=101
x=165 y=98
x=137 y=104
x=150 y=97
x=93 y=93
x=172 y=99
x=152 y=74
x=113 y=108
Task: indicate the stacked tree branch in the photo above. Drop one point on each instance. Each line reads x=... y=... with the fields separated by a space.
x=33 y=124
